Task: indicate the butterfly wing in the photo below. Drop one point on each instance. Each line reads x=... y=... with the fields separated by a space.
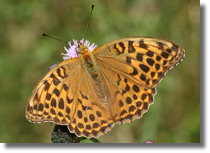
x=144 y=60
x=128 y=100
x=132 y=67
x=92 y=117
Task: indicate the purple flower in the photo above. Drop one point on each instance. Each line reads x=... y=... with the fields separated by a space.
x=72 y=51
x=148 y=141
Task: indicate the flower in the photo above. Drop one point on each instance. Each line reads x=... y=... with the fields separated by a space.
x=148 y=141
x=72 y=51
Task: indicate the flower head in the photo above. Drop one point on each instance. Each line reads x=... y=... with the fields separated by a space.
x=72 y=51
x=148 y=141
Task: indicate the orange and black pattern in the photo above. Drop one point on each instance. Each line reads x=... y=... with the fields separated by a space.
x=113 y=84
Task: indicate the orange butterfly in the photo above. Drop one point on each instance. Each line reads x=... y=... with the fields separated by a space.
x=114 y=83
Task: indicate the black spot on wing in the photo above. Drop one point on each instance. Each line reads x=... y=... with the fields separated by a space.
x=55 y=80
x=175 y=47
x=150 y=61
x=131 y=49
x=136 y=88
x=139 y=57
x=48 y=97
x=128 y=60
x=164 y=55
x=135 y=72
x=65 y=87
x=144 y=68
x=47 y=85
x=61 y=104
x=158 y=58
x=53 y=102
x=143 y=77
x=56 y=92
x=40 y=108
x=157 y=66
x=143 y=45
x=121 y=44
x=117 y=50
x=160 y=45
x=150 y=54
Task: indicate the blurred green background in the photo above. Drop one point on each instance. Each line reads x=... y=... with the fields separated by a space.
x=25 y=57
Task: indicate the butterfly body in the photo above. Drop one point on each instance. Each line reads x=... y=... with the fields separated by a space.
x=114 y=83
x=88 y=61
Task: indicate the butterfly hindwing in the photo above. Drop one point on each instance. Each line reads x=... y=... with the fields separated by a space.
x=91 y=117
x=128 y=100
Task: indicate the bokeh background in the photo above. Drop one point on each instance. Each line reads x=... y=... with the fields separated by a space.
x=25 y=57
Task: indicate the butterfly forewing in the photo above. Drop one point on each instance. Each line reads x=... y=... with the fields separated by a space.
x=45 y=102
x=144 y=60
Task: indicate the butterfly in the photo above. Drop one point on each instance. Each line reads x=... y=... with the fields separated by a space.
x=114 y=83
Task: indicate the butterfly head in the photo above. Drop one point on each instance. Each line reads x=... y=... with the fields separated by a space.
x=82 y=49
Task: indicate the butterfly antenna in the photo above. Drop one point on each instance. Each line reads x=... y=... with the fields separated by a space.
x=88 y=20
x=43 y=34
